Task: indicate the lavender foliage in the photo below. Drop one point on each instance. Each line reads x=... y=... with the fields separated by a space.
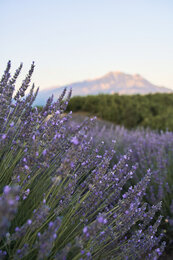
x=150 y=150
x=60 y=198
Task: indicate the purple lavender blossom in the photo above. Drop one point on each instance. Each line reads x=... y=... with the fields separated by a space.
x=74 y=140
x=71 y=200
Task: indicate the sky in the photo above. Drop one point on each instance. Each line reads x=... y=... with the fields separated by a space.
x=74 y=40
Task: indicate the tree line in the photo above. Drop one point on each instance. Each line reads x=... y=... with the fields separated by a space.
x=152 y=110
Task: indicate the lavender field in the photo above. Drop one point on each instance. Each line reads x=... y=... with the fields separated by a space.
x=72 y=189
x=148 y=150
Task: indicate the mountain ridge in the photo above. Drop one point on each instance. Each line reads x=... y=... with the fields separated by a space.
x=110 y=83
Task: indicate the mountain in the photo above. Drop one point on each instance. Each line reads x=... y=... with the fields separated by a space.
x=113 y=82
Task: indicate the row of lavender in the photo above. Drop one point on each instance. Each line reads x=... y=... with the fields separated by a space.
x=60 y=195
x=150 y=150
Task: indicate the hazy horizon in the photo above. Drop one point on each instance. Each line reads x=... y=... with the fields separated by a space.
x=72 y=41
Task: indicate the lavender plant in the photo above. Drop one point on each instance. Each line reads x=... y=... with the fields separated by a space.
x=59 y=197
x=153 y=150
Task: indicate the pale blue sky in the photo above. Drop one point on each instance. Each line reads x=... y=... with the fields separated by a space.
x=72 y=40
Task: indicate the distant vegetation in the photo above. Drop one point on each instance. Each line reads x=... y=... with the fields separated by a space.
x=152 y=110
